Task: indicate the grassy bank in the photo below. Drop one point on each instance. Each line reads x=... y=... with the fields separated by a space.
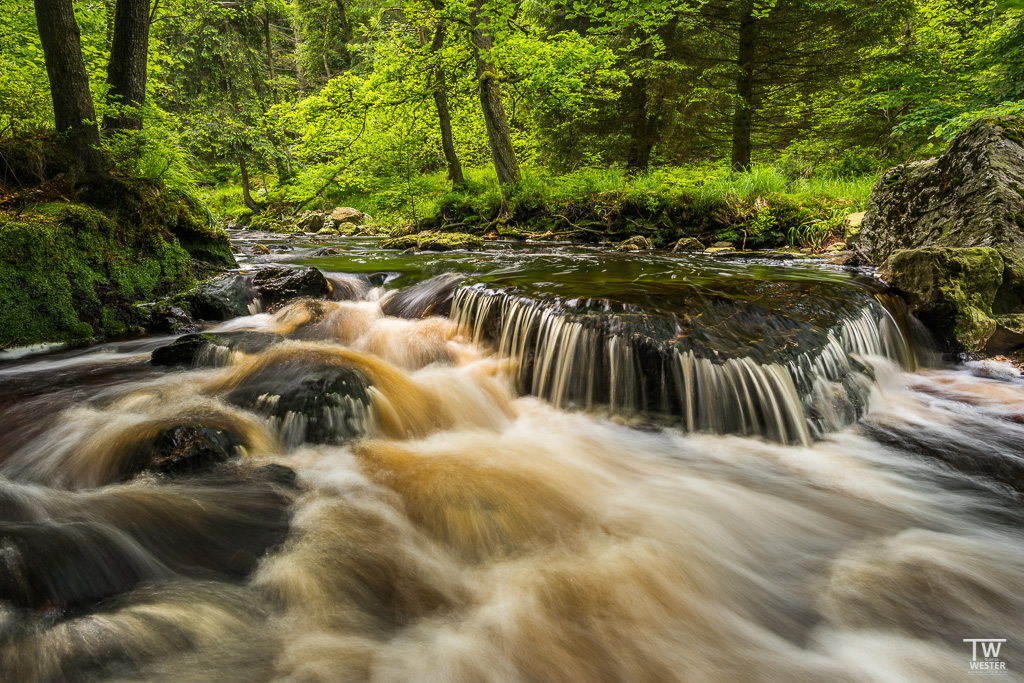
x=764 y=207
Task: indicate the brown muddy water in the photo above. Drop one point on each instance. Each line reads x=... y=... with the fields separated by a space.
x=523 y=464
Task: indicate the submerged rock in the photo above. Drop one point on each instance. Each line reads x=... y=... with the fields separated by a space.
x=969 y=196
x=950 y=289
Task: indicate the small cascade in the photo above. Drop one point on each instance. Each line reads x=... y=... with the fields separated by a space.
x=574 y=358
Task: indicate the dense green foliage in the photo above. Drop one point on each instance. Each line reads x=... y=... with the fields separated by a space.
x=304 y=103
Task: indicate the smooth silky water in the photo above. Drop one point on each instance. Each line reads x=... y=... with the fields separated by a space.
x=563 y=465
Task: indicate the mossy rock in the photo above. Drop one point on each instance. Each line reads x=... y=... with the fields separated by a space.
x=635 y=243
x=688 y=244
x=77 y=273
x=434 y=241
x=950 y=290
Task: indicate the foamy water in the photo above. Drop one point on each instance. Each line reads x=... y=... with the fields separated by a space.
x=473 y=534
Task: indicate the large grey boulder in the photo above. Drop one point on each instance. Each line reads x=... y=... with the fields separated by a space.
x=343 y=215
x=970 y=196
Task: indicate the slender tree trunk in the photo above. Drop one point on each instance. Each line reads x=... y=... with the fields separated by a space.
x=643 y=128
x=444 y=116
x=300 y=75
x=73 y=111
x=270 y=55
x=744 y=89
x=499 y=139
x=126 y=70
x=246 y=195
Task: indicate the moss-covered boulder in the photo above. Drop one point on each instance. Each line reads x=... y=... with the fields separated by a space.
x=972 y=195
x=635 y=243
x=70 y=272
x=951 y=290
x=434 y=241
x=688 y=244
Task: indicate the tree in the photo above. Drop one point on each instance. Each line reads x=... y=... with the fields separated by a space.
x=444 y=116
x=73 y=111
x=126 y=70
x=499 y=139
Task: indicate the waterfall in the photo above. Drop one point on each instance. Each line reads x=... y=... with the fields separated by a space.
x=580 y=360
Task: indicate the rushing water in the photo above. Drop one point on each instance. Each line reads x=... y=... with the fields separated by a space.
x=520 y=465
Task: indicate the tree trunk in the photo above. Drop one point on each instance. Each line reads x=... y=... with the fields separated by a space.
x=744 y=89
x=270 y=55
x=246 y=196
x=126 y=70
x=73 y=112
x=642 y=129
x=499 y=139
x=300 y=75
x=346 y=29
x=444 y=116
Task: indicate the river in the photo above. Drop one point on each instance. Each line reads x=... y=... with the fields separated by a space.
x=529 y=463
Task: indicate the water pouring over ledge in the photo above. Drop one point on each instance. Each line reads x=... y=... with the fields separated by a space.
x=438 y=522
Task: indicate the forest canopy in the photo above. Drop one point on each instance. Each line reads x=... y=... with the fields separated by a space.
x=394 y=104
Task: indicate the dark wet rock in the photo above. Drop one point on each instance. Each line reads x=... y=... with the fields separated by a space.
x=434 y=241
x=431 y=297
x=308 y=402
x=183 y=350
x=412 y=251
x=635 y=243
x=259 y=250
x=970 y=196
x=189 y=449
x=278 y=285
x=280 y=247
x=195 y=350
x=167 y=317
x=221 y=298
x=951 y=290
x=688 y=244
x=327 y=251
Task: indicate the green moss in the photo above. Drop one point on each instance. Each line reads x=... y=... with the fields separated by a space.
x=952 y=290
x=70 y=271
x=434 y=241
